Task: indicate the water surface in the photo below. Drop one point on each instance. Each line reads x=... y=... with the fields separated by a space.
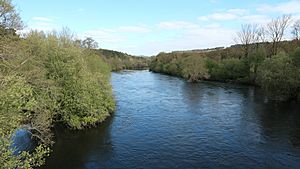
x=165 y=122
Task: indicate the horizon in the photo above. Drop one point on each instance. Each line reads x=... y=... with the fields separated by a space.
x=144 y=28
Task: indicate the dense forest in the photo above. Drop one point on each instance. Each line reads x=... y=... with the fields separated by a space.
x=261 y=58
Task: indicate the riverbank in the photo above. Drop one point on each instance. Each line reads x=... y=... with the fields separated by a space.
x=277 y=74
x=48 y=79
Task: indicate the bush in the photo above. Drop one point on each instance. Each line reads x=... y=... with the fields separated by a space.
x=296 y=57
x=84 y=95
x=279 y=77
x=15 y=97
x=48 y=78
x=193 y=68
x=229 y=69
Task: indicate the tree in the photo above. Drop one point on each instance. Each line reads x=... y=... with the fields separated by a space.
x=279 y=77
x=296 y=30
x=261 y=35
x=246 y=37
x=193 y=68
x=276 y=29
x=89 y=43
x=9 y=17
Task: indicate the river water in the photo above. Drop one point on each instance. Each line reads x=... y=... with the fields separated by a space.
x=165 y=122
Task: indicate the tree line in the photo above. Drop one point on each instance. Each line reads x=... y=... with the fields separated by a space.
x=117 y=61
x=260 y=57
x=121 y=61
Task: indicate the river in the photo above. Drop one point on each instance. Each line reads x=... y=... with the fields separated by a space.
x=166 y=122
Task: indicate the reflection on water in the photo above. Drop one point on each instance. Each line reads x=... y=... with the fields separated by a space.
x=165 y=122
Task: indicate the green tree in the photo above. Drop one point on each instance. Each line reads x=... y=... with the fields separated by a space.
x=194 y=68
x=279 y=77
x=89 y=43
x=9 y=17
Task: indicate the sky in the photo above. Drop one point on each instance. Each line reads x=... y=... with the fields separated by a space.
x=147 y=27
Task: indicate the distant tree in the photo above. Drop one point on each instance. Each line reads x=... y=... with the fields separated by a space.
x=246 y=36
x=89 y=43
x=296 y=30
x=9 y=17
x=261 y=35
x=78 y=42
x=276 y=29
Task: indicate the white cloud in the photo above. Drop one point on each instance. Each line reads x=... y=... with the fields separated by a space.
x=191 y=36
x=230 y=14
x=44 y=19
x=212 y=35
x=290 y=7
x=176 y=25
x=104 y=35
x=236 y=14
x=238 y=11
x=46 y=24
x=213 y=25
x=114 y=35
x=134 y=29
x=258 y=19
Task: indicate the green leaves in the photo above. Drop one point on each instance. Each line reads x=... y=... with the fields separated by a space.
x=279 y=77
x=15 y=96
x=51 y=79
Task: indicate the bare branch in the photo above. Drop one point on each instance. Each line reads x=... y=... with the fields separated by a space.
x=247 y=36
x=276 y=29
x=296 y=30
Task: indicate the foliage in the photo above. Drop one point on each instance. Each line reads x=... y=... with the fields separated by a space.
x=296 y=57
x=83 y=94
x=9 y=17
x=256 y=57
x=15 y=96
x=280 y=77
x=120 y=61
x=194 y=69
x=48 y=79
x=226 y=65
x=89 y=43
x=229 y=69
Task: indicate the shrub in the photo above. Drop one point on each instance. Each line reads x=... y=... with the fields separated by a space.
x=229 y=69
x=193 y=68
x=279 y=77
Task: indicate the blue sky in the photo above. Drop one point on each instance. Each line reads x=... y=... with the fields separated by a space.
x=147 y=27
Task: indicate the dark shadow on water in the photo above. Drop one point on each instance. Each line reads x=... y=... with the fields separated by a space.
x=75 y=149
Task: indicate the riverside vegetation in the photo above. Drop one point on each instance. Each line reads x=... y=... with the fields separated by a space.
x=48 y=79
x=120 y=61
x=274 y=65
